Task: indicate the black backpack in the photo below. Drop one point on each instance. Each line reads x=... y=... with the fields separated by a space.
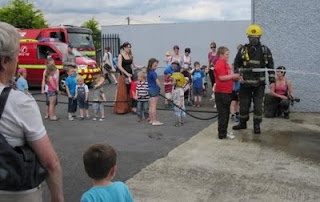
x=20 y=168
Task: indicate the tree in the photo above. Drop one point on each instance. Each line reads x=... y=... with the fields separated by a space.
x=22 y=14
x=93 y=24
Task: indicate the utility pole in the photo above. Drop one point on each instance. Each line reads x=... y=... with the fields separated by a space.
x=128 y=19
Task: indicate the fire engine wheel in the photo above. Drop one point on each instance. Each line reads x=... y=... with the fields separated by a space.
x=62 y=82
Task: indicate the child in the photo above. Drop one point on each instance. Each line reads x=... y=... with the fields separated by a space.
x=235 y=105
x=178 y=97
x=44 y=87
x=51 y=82
x=100 y=164
x=198 y=85
x=98 y=98
x=71 y=92
x=167 y=88
x=205 y=80
x=154 y=90
x=142 y=97
x=168 y=58
x=82 y=94
x=223 y=90
x=133 y=89
x=22 y=83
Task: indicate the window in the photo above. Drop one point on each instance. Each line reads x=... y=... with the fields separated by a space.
x=44 y=51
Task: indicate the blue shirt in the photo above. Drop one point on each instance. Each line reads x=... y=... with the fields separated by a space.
x=115 y=192
x=198 y=75
x=152 y=77
x=170 y=70
x=22 y=84
x=71 y=83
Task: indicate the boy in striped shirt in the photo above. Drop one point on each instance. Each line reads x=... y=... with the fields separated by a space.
x=142 y=96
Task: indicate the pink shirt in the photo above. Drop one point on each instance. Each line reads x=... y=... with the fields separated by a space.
x=281 y=90
x=50 y=87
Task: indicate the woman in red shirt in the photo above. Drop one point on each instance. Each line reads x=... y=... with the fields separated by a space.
x=223 y=91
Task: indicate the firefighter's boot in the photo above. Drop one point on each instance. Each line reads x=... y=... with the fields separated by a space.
x=256 y=128
x=241 y=125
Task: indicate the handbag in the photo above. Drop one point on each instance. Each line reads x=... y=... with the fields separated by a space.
x=20 y=168
x=107 y=67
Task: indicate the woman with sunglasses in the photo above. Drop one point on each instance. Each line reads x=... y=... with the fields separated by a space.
x=212 y=59
x=277 y=102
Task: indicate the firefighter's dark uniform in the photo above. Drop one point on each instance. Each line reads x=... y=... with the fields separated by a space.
x=252 y=88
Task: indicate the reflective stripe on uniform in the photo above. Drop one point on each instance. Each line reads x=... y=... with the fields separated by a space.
x=257 y=117
x=256 y=62
x=244 y=116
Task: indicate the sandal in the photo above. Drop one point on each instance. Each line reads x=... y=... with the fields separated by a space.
x=54 y=119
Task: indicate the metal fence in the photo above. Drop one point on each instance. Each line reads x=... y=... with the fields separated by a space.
x=111 y=40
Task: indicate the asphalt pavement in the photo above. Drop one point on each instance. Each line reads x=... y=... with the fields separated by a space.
x=137 y=144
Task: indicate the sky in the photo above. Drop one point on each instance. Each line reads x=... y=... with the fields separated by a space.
x=115 y=12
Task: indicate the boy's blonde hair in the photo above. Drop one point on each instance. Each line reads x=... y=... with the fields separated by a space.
x=141 y=74
x=79 y=78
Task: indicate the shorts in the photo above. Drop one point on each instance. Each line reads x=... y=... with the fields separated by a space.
x=154 y=92
x=51 y=94
x=83 y=104
x=47 y=99
x=235 y=96
x=197 y=91
x=168 y=96
x=97 y=107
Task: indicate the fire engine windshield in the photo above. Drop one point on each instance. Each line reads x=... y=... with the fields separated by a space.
x=80 y=40
x=63 y=48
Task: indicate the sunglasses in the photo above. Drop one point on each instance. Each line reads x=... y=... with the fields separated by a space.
x=213 y=47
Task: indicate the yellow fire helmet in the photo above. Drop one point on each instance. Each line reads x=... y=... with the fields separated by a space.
x=179 y=77
x=254 y=30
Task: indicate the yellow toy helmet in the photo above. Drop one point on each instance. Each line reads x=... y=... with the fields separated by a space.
x=179 y=77
x=254 y=30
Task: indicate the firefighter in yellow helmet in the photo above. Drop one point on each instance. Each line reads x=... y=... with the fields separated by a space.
x=251 y=61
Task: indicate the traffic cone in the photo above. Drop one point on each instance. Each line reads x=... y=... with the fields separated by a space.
x=122 y=95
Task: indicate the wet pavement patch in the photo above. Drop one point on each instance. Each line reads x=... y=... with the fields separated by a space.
x=302 y=143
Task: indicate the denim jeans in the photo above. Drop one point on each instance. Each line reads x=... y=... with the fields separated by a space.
x=143 y=109
x=72 y=105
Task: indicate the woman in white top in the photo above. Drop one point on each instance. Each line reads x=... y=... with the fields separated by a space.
x=186 y=59
x=21 y=123
x=107 y=65
x=176 y=56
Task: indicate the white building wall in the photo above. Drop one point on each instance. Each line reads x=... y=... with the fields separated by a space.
x=154 y=40
x=292 y=32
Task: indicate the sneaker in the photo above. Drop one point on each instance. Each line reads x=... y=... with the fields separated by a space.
x=46 y=116
x=101 y=119
x=230 y=136
x=256 y=129
x=157 y=123
x=88 y=118
x=81 y=118
x=139 y=119
x=94 y=119
x=70 y=118
x=148 y=119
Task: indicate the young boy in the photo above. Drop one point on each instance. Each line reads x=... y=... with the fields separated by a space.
x=198 y=84
x=98 y=98
x=167 y=88
x=22 y=83
x=82 y=94
x=100 y=165
x=223 y=90
x=178 y=97
x=71 y=92
x=205 y=80
x=142 y=97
